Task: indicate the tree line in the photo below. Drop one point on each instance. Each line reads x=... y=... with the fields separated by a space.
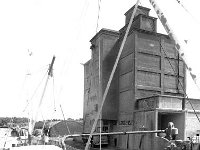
x=5 y=121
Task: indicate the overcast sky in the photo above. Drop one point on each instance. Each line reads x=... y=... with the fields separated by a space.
x=32 y=31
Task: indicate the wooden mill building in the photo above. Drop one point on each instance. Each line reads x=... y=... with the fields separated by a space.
x=147 y=90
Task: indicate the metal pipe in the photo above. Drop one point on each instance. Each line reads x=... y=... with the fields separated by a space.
x=119 y=133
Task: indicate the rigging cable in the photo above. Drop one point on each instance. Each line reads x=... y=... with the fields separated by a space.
x=25 y=79
x=99 y=9
x=51 y=120
x=83 y=14
x=112 y=73
x=50 y=123
x=64 y=66
x=177 y=43
x=180 y=83
x=29 y=74
x=65 y=119
x=54 y=100
x=100 y=91
x=180 y=3
x=35 y=92
x=50 y=74
x=23 y=85
x=39 y=70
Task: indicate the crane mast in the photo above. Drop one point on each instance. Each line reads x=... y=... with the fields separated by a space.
x=50 y=74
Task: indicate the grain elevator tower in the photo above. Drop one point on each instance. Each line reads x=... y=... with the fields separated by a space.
x=147 y=90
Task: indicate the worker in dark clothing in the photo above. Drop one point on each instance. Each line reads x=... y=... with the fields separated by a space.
x=14 y=133
x=171 y=131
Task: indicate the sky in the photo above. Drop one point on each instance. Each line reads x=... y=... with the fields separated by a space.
x=32 y=31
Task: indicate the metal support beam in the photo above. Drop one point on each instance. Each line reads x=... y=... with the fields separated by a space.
x=118 y=133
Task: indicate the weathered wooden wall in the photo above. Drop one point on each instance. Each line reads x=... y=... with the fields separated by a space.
x=145 y=71
x=143 y=120
x=102 y=43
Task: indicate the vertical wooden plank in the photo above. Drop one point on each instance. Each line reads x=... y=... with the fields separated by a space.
x=162 y=65
x=184 y=79
x=135 y=64
x=134 y=77
x=156 y=120
x=100 y=71
x=184 y=126
x=133 y=69
x=178 y=72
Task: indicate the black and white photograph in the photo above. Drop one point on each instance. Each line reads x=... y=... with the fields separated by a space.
x=99 y=74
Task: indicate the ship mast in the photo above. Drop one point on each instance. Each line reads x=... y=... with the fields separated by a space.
x=50 y=74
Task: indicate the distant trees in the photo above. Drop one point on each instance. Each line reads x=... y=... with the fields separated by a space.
x=17 y=120
x=80 y=119
x=56 y=120
x=70 y=119
x=5 y=121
